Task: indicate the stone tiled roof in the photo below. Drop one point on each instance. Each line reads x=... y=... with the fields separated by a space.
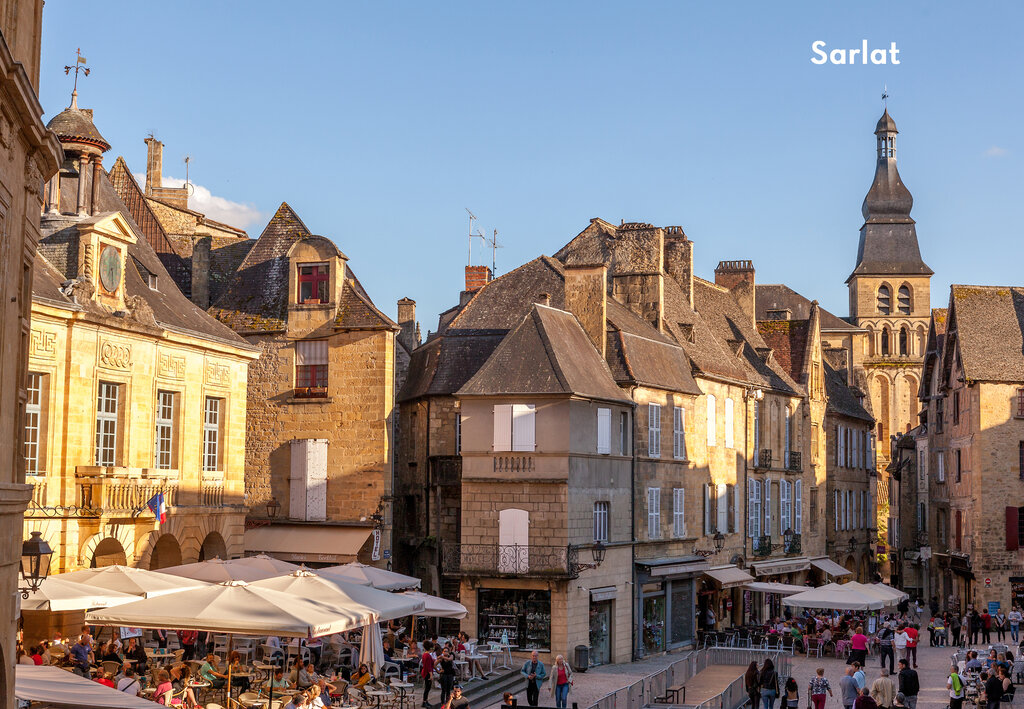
x=546 y=354
x=939 y=318
x=502 y=304
x=75 y=125
x=650 y=363
x=788 y=340
x=841 y=397
x=776 y=296
x=987 y=325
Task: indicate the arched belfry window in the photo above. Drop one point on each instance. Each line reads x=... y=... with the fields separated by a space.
x=903 y=300
x=884 y=300
x=904 y=341
x=885 y=341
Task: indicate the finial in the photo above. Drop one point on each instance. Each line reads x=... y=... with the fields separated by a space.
x=78 y=66
x=885 y=97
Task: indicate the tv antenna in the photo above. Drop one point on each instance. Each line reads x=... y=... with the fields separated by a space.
x=476 y=233
x=189 y=189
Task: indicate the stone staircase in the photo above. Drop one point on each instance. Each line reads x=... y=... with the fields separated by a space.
x=483 y=693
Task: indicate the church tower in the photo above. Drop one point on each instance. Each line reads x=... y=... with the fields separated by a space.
x=889 y=295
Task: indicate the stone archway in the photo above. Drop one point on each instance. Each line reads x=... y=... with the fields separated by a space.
x=108 y=552
x=166 y=552
x=851 y=566
x=213 y=547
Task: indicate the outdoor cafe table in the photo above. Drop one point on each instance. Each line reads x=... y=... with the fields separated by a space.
x=403 y=690
x=491 y=654
x=378 y=694
x=475 y=670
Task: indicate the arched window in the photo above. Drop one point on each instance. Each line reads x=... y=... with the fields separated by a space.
x=903 y=300
x=884 y=300
x=904 y=341
x=885 y=341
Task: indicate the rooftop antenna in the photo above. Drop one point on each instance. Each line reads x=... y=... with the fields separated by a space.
x=493 y=243
x=189 y=189
x=78 y=66
x=474 y=233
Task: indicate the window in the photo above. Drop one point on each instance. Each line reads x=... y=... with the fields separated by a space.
x=623 y=433
x=885 y=341
x=654 y=513
x=959 y=469
x=722 y=518
x=813 y=505
x=940 y=414
x=1020 y=403
x=712 y=421
x=313 y=282
x=798 y=503
x=107 y=401
x=733 y=492
x=679 y=512
x=785 y=511
x=709 y=509
x=601 y=521
x=513 y=540
x=814 y=442
x=458 y=434
x=728 y=423
x=904 y=341
x=903 y=300
x=958 y=529
x=884 y=300
x=163 y=449
x=753 y=508
x=654 y=430
x=787 y=437
x=956 y=407
x=864 y=519
x=311 y=368
x=757 y=433
x=767 y=507
x=604 y=431
x=1020 y=460
x=940 y=461
x=839 y=445
x=33 y=423
x=213 y=419
x=679 y=433
x=514 y=427
x=835 y=510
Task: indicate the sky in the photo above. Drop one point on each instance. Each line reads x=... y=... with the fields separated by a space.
x=381 y=122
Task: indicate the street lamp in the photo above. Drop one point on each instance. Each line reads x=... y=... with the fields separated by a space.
x=273 y=508
x=35 y=562
x=597 y=554
x=787 y=537
x=853 y=543
x=719 y=541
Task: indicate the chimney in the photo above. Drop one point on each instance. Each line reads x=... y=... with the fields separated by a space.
x=201 y=272
x=738 y=278
x=543 y=299
x=679 y=259
x=407 y=321
x=154 y=164
x=586 y=288
x=477 y=277
x=637 y=257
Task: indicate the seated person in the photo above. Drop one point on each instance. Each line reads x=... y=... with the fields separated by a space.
x=362 y=676
x=387 y=650
x=236 y=667
x=180 y=675
x=307 y=676
x=298 y=701
x=105 y=678
x=129 y=683
x=402 y=642
x=136 y=652
x=110 y=654
x=973 y=664
x=327 y=690
x=277 y=681
x=211 y=673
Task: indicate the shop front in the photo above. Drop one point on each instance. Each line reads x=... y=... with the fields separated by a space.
x=666 y=603
x=721 y=589
x=762 y=600
x=602 y=624
x=519 y=617
x=963 y=577
x=1017 y=591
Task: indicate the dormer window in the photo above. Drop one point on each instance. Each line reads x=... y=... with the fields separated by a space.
x=153 y=282
x=313 y=283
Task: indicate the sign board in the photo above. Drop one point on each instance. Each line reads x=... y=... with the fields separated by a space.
x=130 y=633
x=926 y=552
x=872 y=621
x=993 y=607
x=387 y=553
x=988 y=582
x=375 y=556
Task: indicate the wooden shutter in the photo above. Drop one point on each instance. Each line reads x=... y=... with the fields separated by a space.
x=604 y=431
x=1012 y=522
x=523 y=427
x=654 y=430
x=753 y=507
x=708 y=502
x=723 y=508
x=784 y=508
x=734 y=508
x=503 y=427
x=767 y=507
x=798 y=504
x=679 y=511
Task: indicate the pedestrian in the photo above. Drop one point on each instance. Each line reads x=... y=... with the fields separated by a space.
x=899 y=701
x=993 y=688
x=858 y=676
x=768 y=683
x=882 y=690
x=885 y=648
x=975 y=626
x=535 y=674
x=986 y=627
x=909 y=684
x=999 y=623
x=848 y=689
x=187 y=640
x=1014 y=619
x=427 y=670
x=954 y=627
x=912 y=637
x=751 y=683
x=562 y=683
x=858 y=646
x=865 y=700
x=816 y=689
x=899 y=642
x=446 y=675
x=458 y=701
x=955 y=685
x=792 y=699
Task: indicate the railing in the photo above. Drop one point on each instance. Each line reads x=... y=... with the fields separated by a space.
x=761 y=546
x=446 y=470
x=122 y=491
x=38 y=483
x=513 y=463
x=795 y=459
x=509 y=560
x=211 y=493
x=794 y=545
x=765 y=460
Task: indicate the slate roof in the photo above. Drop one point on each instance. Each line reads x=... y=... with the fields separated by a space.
x=987 y=323
x=548 y=353
x=841 y=397
x=75 y=125
x=776 y=296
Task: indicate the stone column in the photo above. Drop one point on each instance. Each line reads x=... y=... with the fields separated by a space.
x=83 y=170
x=97 y=163
x=53 y=194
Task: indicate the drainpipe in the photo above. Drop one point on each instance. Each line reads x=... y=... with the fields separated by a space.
x=634 y=600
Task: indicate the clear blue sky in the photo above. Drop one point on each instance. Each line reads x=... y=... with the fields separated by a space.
x=380 y=121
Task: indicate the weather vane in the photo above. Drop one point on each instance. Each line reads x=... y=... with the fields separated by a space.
x=78 y=66
x=885 y=96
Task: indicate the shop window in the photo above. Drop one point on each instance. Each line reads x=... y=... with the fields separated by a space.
x=654 y=624
x=313 y=283
x=519 y=616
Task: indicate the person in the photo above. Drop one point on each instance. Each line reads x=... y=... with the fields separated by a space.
x=990 y=661
x=882 y=690
x=105 y=678
x=752 y=685
x=277 y=681
x=792 y=698
x=955 y=685
x=858 y=646
x=1014 y=619
x=885 y=648
x=109 y=653
x=899 y=642
x=991 y=689
x=986 y=626
x=912 y=638
x=999 y=625
x=953 y=623
x=298 y=701
x=1008 y=688
x=859 y=676
x=211 y=673
x=307 y=676
x=427 y=671
x=446 y=675
x=164 y=693
x=865 y=700
x=899 y=701
x=973 y=663
x=234 y=668
x=562 y=683
x=58 y=646
x=848 y=689
x=709 y=618
x=362 y=676
x=129 y=683
x=316 y=697
x=80 y=655
x=506 y=699
x=768 y=683
x=975 y=626
x=160 y=636
x=535 y=674
x=816 y=688
x=180 y=675
x=137 y=654
x=36 y=655
x=458 y=701
x=909 y=684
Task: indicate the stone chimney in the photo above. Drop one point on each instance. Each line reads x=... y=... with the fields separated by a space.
x=679 y=259
x=637 y=257
x=543 y=299
x=154 y=164
x=585 y=297
x=477 y=277
x=201 y=272
x=738 y=277
x=407 y=321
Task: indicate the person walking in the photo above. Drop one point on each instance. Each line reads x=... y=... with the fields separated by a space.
x=955 y=685
x=999 y=624
x=427 y=670
x=912 y=637
x=975 y=626
x=792 y=698
x=1014 y=619
x=899 y=642
x=848 y=689
x=768 y=682
x=986 y=627
x=816 y=689
x=909 y=684
x=751 y=682
x=953 y=621
x=885 y=649
x=535 y=674
x=865 y=700
x=446 y=675
x=562 y=683
x=882 y=690
x=858 y=646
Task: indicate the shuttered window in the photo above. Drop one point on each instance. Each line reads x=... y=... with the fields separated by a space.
x=722 y=524
x=604 y=431
x=767 y=507
x=798 y=505
x=785 y=517
x=514 y=427
x=753 y=507
x=654 y=513
x=679 y=433
x=734 y=508
x=679 y=512
x=654 y=430
x=709 y=514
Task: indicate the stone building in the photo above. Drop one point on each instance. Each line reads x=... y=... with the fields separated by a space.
x=33 y=154
x=132 y=391
x=973 y=451
x=318 y=464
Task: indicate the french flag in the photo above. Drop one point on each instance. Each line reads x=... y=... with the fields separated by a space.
x=158 y=507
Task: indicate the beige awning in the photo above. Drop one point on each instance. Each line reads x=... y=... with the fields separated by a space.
x=781 y=589
x=780 y=566
x=829 y=567
x=307 y=543
x=53 y=686
x=728 y=576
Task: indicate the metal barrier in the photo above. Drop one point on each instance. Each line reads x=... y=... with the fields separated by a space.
x=645 y=691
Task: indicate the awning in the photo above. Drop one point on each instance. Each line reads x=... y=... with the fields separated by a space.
x=780 y=589
x=829 y=567
x=728 y=576
x=605 y=593
x=674 y=566
x=53 y=685
x=780 y=566
x=324 y=543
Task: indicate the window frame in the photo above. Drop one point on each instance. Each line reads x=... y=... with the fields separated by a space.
x=604 y=431
x=602 y=510
x=164 y=429
x=653 y=430
x=107 y=424
x=679 y=512
x=34 y=448
x=316 y=279
x=213 y=433
x=679 y=433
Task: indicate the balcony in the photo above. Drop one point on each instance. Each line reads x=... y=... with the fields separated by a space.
x=795 y=461
x=530 y=560
x=123 y=490
x=761 y=546
x=794 y=546
x=514 y=463
x=764 y=460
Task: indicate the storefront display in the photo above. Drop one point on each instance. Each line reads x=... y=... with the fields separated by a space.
x=654 y=624
x=682 y=613
x=600 y=632
x=1017 y=591
x=523 y=617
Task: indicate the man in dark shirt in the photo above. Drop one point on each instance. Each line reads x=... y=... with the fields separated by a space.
x=458 y=701
x=993 y=689
x=909 y=684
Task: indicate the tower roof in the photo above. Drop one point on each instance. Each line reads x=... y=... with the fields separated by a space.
x=74 y=125
x=885 y=124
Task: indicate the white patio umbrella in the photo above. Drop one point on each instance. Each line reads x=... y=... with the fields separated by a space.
x=366 y=605
x=898 y=594
x=248 y=568
x=56 y=593
x=137 y=582
x=435 y=607
x=835 y=596
x=890 y=595
x=364 y=575
x=372 y=649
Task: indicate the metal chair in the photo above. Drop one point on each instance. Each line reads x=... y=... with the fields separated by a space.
x=813 y=647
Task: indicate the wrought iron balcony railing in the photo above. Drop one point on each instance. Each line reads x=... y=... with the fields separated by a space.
x=794 y=545
x=795 y=461
x=761 y=546
x=509 y=560
x=765 y=458
x=107 y=490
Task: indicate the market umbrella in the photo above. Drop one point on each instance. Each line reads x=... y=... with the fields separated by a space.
x=248 y=568
x=56 y=593
x=364 y=575
x=372 y=649
x=137 y=582
x=434 y=607
x=898 y=594
x=364 y=605
x=835 y=596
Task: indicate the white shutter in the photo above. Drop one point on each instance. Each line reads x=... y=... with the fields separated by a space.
x=835 y=510
x=757 y=433
x=654 y=430
x=707 y=508
x=679 y=433
x=307 y=481
x=712 y=421
x=787 y=442
x=839 y=445
x=654 y=513
x=736 y=509
x=767 y=507
x=798 y=506
x=679 y=512
x=864 y=507
x=753 y=507
x=502 y=427
x=941 y=460
x=854 y=512
x=728 y=423
x=604 y=431
x=723 y=508
x=784 y=509
x=524 y=427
